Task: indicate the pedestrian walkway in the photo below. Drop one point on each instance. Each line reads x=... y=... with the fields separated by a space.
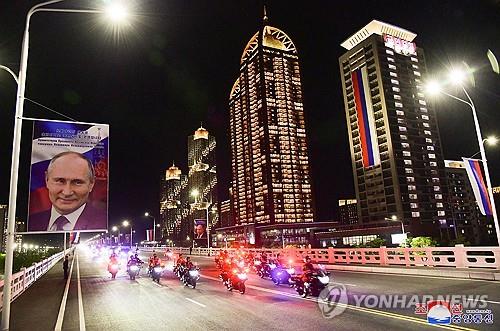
x=40 y=302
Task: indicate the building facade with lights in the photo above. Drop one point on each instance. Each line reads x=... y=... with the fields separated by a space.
x=348 y=211
x=468 y=221
x=271 y=180
x=396 y=152
x=185 y=198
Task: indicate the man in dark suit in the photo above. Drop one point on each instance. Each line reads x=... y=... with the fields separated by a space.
x=69 y=179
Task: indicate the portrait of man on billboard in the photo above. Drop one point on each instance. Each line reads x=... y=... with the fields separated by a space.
x=68 y=178
x=200 y=229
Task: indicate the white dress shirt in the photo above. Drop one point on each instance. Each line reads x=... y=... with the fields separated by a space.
x=72 y=218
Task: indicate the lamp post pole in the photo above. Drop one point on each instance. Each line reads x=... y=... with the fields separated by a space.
x=483 y=157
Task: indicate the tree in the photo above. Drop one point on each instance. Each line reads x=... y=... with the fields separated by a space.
x=422 y=242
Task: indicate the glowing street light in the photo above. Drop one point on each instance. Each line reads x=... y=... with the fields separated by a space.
x=116 y=12
x=126 y=223
x=16 y=144
x=457 y=77
x=491 y=140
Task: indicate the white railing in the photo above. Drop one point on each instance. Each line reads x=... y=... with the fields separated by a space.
x=27 y=276
x=454 y=257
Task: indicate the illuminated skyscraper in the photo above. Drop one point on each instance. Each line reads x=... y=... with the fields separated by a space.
x=395 y=146
x=174 y=205
x=271 y=181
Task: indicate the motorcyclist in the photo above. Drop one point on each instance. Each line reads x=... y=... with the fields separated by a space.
x=113 y=260
x=263 y=257
x=308 y=269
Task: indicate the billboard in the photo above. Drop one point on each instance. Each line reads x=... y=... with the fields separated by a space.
x=200 y=233
x=69 y=177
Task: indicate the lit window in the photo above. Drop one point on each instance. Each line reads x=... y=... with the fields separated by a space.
x=403 y=137
x=394 y=81
x=410 y=179
x=390 y=59
x=395 y=89
x=426 y=124
x=415 y=214
x=433 y=164
x=428 y=140
x=432 y=156
x=402 y=129
x=413 y=205
x=438 y=196
x=414 y=66
x=441 y=213
x=397 y=97
x=412 y=187
x=416 y=73
x=414 y=59
x=392 y=66
x=388 y=51
x=407 y=162
x=393 y=74
x=422 y=102
x=413 y=196
x=406 y=153
x=427 y=132
x=437 y=188
x=423 y=109
x=425 y=117
x=398 y=104
x=430 y=148
x=400 y=113
x=439 y=204
x=408 y=170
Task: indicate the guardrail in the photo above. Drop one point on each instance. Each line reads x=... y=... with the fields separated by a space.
x=27 y=276
x=453 y=257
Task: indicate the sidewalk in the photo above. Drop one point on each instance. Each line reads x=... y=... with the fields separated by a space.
x=462 y=273
x=38 y=306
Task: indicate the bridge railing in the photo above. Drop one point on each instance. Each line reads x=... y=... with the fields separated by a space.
x=27 y=276
x=453 y=257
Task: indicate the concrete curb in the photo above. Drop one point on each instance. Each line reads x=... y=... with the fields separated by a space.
x=493 y=275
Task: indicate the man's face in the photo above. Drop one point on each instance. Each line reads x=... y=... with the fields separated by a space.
x=69 y=183
x=199 y=229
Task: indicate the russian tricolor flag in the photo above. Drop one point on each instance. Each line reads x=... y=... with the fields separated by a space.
x=475 y=173
x=366 y=120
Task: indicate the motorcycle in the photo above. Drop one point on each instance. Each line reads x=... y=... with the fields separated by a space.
x=156 y=273
x=266 y=269
x=236 y=280
x=113 y=269
x=133 y=271
x=191 y=276
x=282 y=274
x=318 y=280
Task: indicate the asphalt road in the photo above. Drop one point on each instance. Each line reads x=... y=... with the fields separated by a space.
x=96 y=302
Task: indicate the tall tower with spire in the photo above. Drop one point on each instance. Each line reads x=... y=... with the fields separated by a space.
x=271 y=181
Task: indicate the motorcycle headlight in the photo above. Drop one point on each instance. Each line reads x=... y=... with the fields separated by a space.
x=134 y=268
x=257 y=262
x=157 y=269
x=242 y=276
x=324 y=279
x=193 y=273
x=272 y=266
x=291 y=271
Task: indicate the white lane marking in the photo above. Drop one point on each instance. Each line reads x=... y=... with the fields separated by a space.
x=196 y=302
x=157 y=284
x=343 y=284
x=62 y=308
x=489 y=301
x=80 y=300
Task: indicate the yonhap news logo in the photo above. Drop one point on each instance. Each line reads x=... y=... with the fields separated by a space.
x=332 y=300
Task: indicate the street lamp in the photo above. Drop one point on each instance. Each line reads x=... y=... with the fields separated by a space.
x=154 y=224
x=458 y=78
x=126 y=223
x=116 y=229
x=395 y=219
x=16 y=146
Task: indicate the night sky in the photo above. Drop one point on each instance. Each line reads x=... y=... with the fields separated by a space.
x=154 y=81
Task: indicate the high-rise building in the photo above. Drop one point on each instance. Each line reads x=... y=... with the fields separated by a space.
x=174 y=205
x=225 y=213
x=203 y=177
x=394 y=139
x=348 y=211
x=186 y=198
x=271 y=180
x=468 y=221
